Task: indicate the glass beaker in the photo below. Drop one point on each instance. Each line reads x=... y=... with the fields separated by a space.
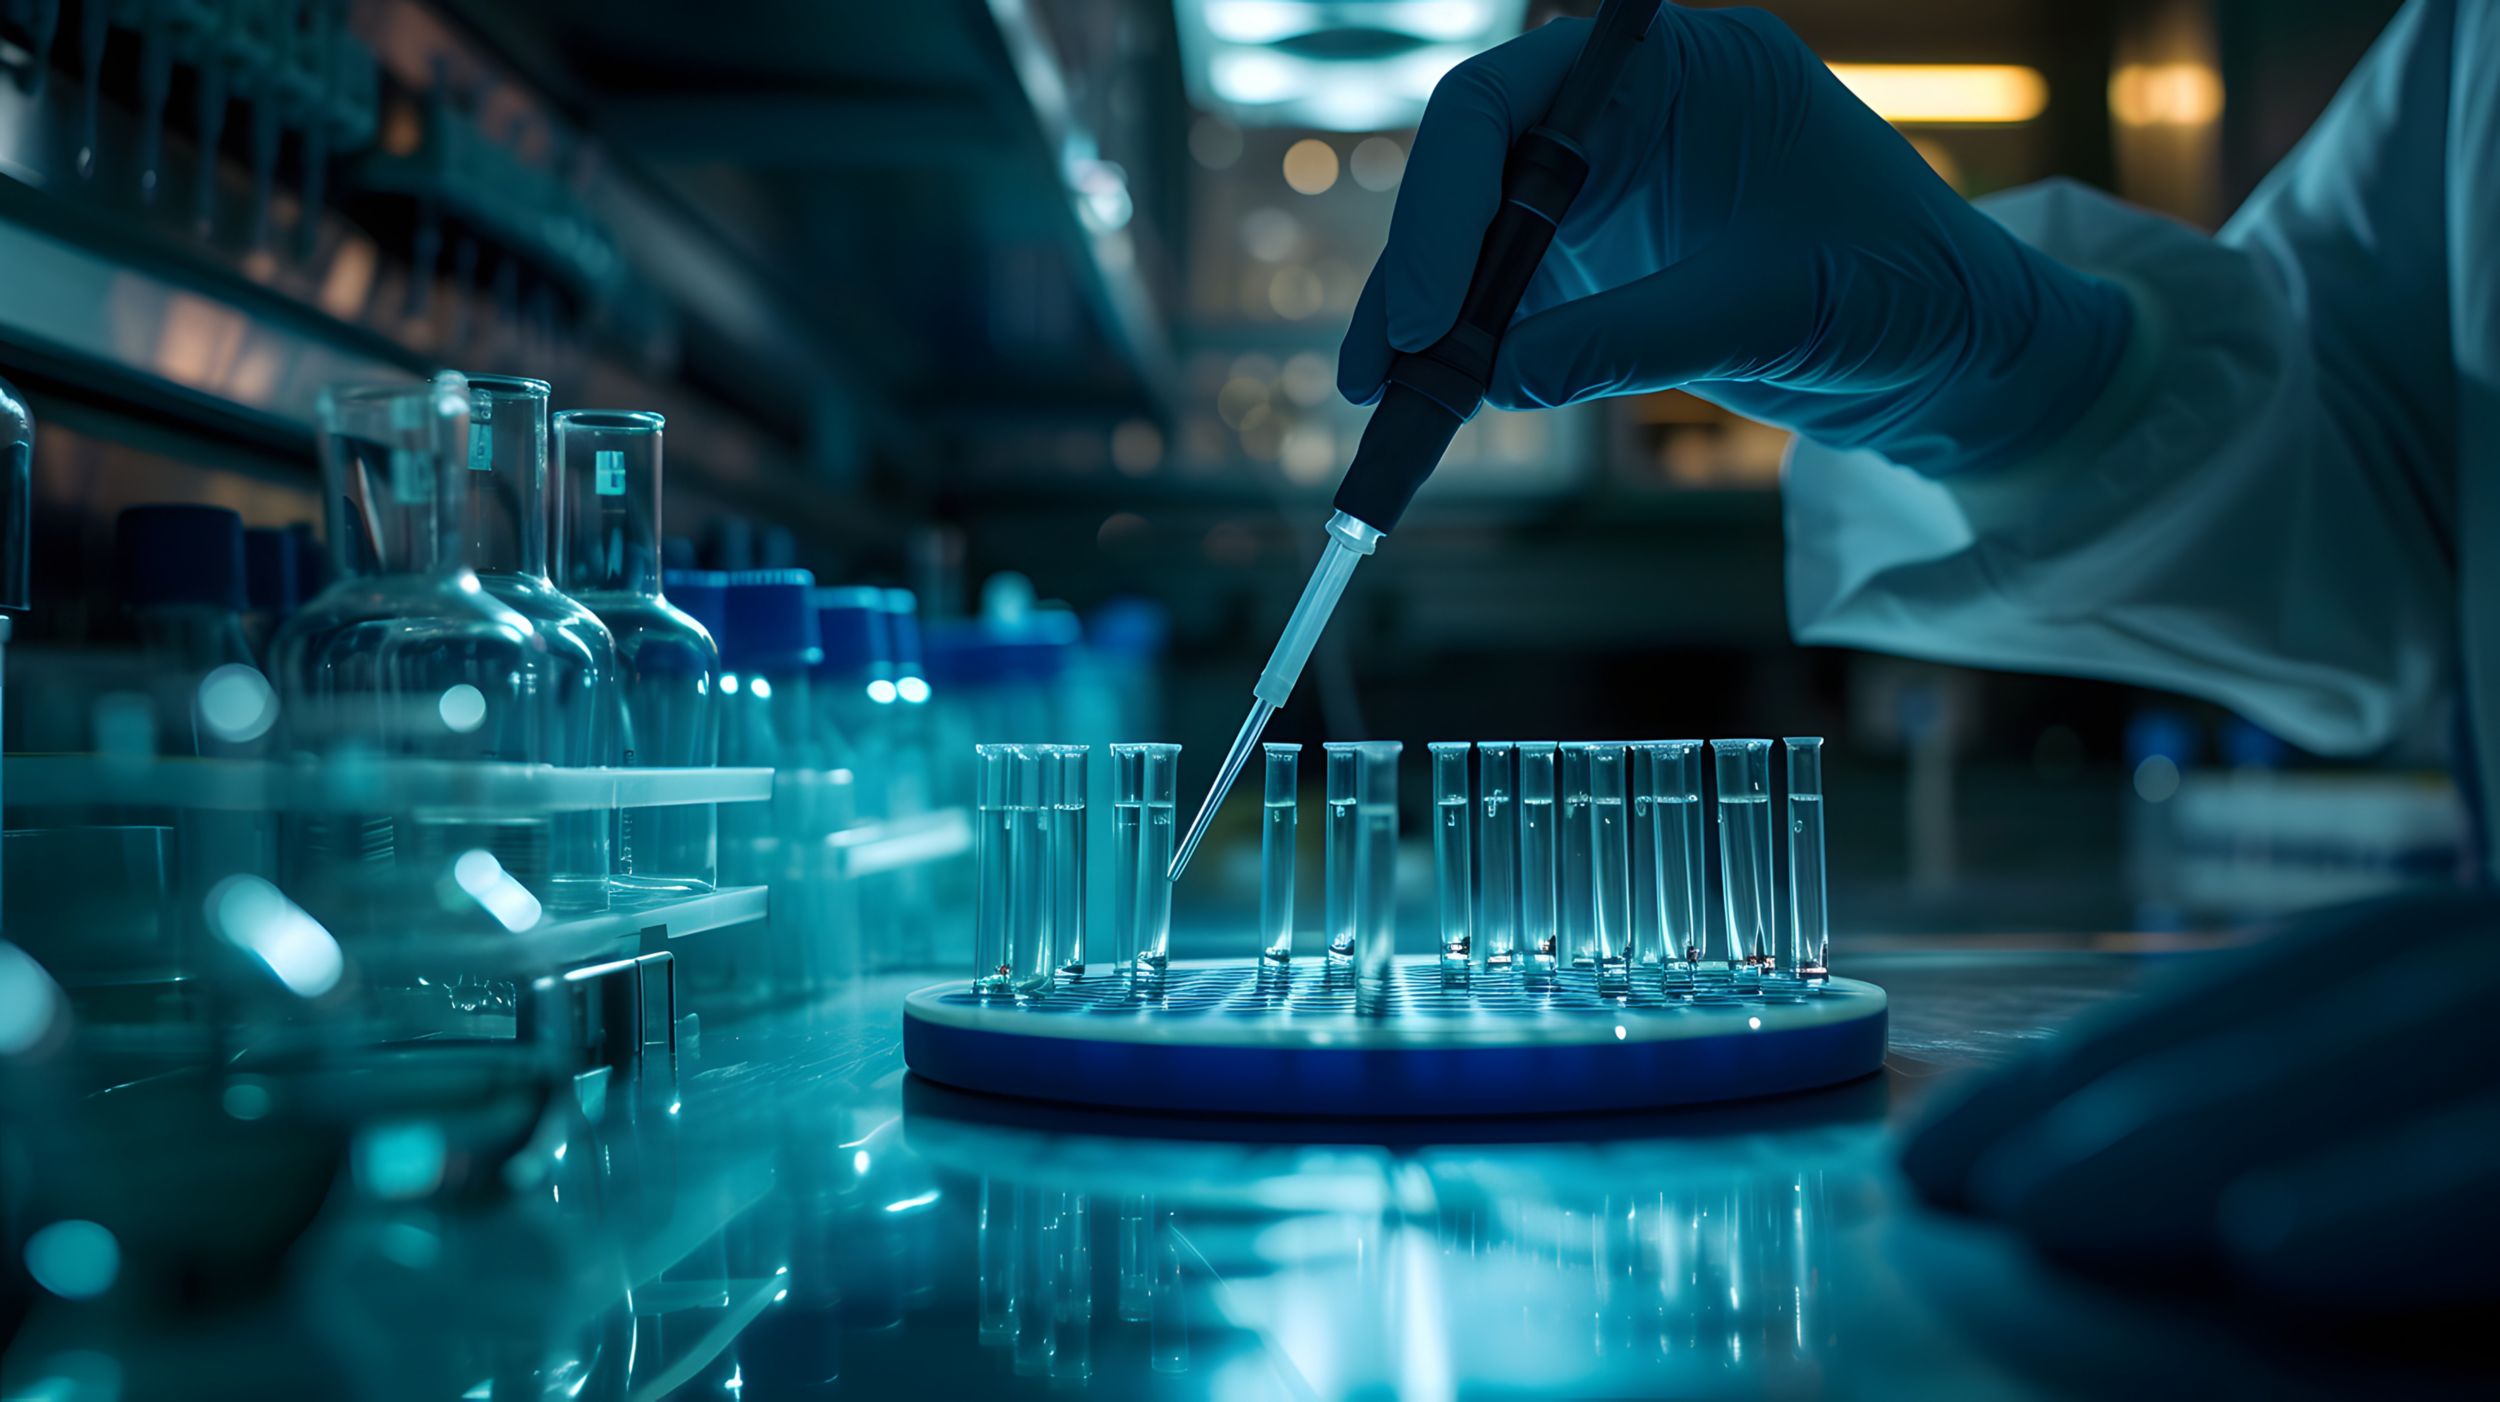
x=503 y=507
x=668 y=664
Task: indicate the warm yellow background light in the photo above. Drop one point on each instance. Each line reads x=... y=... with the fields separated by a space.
x=1947 y=93
x=2165 y=94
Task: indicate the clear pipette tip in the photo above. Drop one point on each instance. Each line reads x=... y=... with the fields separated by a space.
x=1244 y=745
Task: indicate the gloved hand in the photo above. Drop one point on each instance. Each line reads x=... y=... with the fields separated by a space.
x=2313 y=1116
x=1749 y=230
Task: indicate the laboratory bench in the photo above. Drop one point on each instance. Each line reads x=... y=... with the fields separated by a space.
x=787 y=1212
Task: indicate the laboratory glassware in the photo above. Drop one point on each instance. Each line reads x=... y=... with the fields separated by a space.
x=1453 y=855
x=405 y=653
x=1345 y=760
x=668 y=662
x=702 y=595
x=1679 y=845
x=768 y=719
x=1432 y=391
x=1647 y=950
x=1128 y=793
x=1011 y=914
x=17 y=487
x=1158 y=788
x=1746 y=880
x=1610 y=877
x=505 y=507
x=1576 y=877
x=855 y=685
x=1376 y=874
x=1809 y=914
x=1064 y=792
x=1537 y=917
x=1277 y=836
x=1497 y=892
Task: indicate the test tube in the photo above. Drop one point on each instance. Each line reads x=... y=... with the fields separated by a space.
x=1497 y=891
x=1128 y=792
x=1158 y=789
x=1610 y=877
x=1453 y=855
x=1376 y=875
x=1809 y=917
x=1065 y=793
x=1745 y=877
x=1576 y=881
x=1646 y=952
x=1680 y=847
x=1344 y=765
x=993 y=910
x=1536 y=853
x=1276 y=855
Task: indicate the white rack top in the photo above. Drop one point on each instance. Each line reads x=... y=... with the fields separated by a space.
x=365 y=785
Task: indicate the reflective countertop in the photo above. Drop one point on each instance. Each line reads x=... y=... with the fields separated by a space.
x=793 y=1215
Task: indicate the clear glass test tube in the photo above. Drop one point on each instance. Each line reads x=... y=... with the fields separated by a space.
x=1809 y=914
x=1277 y=834
x=1128 y=793
x=1032 y=934
x=1576 y=879
x=1537 y=922
x=1746 y=883
x=1453 y=854
x=1647 y=950
x=1610 y=875
x=1682 y=846
x=1344 y=760
x=1497 y=835
x=993 y=968
x=1066 y=767
x=1376 y=875
x=1158 y=792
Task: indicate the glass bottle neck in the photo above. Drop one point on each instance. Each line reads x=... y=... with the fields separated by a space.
x=495 y=489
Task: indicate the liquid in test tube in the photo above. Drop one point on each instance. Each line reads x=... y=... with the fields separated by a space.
x=1647 y=951
x=1536 y=855
x=1344 y=760
x=1128 y=794
x=1682 y=847
x=1453 y=856
x=1276 y=855
x=1376 y=875
x=1064 y=792
x=1745 y=874
x=1610 y=876
x=1497 y=831
x=1155 y=839
x=1577 y=878
x=1809 y=914
x=1032 y=936
x=993 y=967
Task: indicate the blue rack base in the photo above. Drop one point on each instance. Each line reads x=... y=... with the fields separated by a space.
x=1224 y=1037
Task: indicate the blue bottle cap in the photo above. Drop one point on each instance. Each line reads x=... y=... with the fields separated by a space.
x=769 y=621
x=179 y=554
x=269 y=573
x=853 y=625
x=698 y=594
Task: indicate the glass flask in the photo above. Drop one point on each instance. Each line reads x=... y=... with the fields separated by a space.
x=502 y=509
x=405 y=655
x=855 y=686
x=668 y=663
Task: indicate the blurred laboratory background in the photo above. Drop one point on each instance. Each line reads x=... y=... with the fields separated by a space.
x=995 y=345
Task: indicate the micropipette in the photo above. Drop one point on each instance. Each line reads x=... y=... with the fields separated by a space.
x=1432 y=392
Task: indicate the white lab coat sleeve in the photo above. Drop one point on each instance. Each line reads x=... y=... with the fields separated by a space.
x=2258 y=509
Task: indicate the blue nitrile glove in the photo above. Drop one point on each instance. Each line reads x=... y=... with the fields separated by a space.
x=2312 y=1117
x=1749 y=230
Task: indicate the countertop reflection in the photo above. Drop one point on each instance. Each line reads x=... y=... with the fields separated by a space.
x=794 y=1216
